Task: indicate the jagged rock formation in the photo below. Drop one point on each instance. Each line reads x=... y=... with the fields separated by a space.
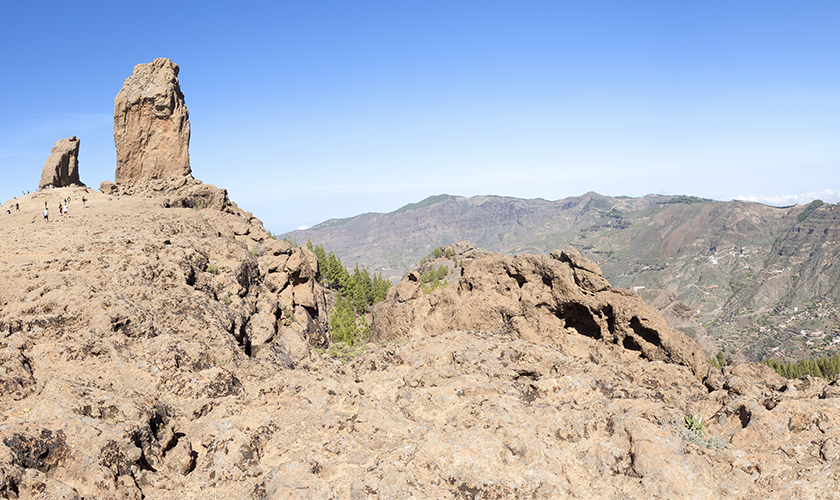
x=62 y=166
x=152 y=130
x=536 y=298
x=120 y=280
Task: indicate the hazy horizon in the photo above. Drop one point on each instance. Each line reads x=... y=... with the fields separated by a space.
x=806 y=199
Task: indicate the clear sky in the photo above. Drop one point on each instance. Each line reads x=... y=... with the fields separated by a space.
x=310 y=110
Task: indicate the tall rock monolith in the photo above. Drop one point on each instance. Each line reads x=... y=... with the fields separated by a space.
x=62 y=166
x=152 y=130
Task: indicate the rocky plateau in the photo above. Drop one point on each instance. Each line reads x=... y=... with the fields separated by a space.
x=157 y=343
x=155 y=351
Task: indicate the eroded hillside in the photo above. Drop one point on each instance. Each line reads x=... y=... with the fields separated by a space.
x=761 y=281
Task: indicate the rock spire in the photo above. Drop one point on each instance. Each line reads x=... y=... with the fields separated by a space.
x=62 y=166
x=152 y=130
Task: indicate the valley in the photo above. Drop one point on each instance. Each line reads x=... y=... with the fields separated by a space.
x=760 y=281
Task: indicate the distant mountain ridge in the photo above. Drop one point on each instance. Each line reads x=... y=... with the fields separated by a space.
x=761 y=279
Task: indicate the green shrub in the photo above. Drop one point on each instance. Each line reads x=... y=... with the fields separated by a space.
x=721 y=359
x=212 y=268
x=695 y=425
x=695 y=432
x=344 y=352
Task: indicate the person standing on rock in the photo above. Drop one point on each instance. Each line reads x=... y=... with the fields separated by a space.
x=46 y=213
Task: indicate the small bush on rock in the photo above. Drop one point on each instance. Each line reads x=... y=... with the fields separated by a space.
x=695 y=432
x=344 y=352
x=695 y=425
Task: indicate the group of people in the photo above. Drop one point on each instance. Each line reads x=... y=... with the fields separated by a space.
x=63 y=208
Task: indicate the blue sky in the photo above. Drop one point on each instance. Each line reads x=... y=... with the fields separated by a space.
x=307 y=111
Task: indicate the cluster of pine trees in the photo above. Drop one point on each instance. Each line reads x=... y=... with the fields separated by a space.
x=357 y=293
x=433 y=278
x=360 y=288
x=823 y=367
x=438 y=253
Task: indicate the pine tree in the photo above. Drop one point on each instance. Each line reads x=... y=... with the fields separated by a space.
x=380 y=288
x=343 y=323
x=322 y=261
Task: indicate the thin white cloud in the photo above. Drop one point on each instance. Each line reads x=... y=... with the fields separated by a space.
x=827 y=195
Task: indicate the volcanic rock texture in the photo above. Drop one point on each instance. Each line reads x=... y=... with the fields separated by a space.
x=152 y=130
x=538 y=298
x=62 y=166
x=169 y=353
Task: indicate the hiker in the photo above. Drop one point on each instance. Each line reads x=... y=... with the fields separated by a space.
x=84 y=200
x=17 y=207
x=46 y=213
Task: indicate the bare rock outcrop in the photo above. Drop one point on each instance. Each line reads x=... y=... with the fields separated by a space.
x=152 y=130
x=537 y=298
x=62 y=166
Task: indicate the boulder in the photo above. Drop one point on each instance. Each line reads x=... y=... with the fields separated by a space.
x=152 y=130
x=197 y=195
x=62 y=166
x=108 y=187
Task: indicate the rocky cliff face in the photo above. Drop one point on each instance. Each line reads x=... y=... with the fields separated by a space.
x=62 y=166
x=152 y=130
x=144 y=355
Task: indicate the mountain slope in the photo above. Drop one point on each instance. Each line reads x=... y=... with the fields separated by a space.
x=761 y=279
